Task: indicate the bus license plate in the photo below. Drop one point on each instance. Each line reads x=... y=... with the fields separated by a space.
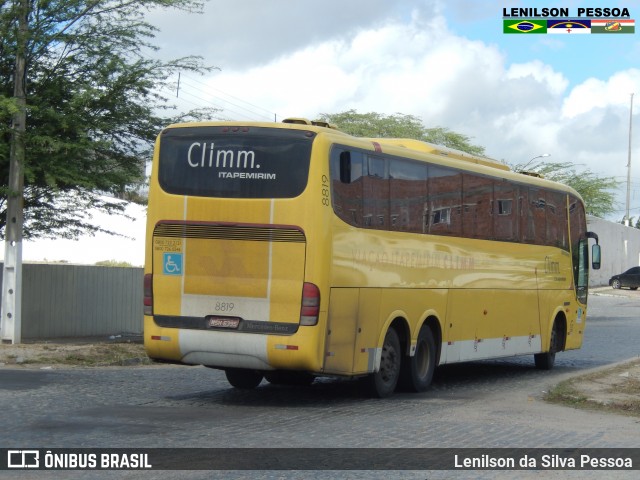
x=221 y=322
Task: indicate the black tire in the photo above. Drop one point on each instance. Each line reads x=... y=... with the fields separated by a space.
x=633 y=288
x=243 y=378
x=418 y=370
x=616 y=284
x=383 y=383
x=546 y=360
x=300 y=379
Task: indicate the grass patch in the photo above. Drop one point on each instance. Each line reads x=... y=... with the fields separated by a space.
x=632 y=387
x=567 y=394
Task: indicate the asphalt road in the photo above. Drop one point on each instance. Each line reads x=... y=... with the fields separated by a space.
x=484 y=404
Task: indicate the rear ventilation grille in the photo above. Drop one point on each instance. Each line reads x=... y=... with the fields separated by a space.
x=229 y=232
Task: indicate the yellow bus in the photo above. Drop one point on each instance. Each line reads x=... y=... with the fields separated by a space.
x=287 y=251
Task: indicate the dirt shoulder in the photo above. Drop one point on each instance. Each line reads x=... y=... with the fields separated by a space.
x=612 y=389
x=73 y=353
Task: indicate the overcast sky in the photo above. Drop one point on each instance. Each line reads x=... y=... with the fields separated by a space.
x=445 y=61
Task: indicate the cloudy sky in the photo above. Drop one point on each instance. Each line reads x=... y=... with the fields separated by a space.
x=445 y=61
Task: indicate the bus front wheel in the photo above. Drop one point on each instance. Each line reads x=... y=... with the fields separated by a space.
x=546 y=360
x=243 y=378
x=383 y=382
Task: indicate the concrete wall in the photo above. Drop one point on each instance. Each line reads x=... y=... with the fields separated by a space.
x=620 y=249
x=61 y=300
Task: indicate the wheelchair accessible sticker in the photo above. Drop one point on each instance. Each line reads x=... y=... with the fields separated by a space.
x=172 y=263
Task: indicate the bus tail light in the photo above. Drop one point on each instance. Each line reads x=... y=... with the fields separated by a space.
x=148 y=294
x=310 y=304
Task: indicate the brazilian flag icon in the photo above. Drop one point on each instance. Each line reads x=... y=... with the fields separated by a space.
x=524 y=26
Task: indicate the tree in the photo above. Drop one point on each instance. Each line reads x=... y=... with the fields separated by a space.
x=631 y=222
x=596 y=191
x=378 y=125
x=94 y=106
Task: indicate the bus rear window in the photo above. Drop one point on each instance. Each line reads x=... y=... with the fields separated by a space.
x=235 y=162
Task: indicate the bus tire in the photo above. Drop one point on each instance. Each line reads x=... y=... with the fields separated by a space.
x=546 y=360
x=419 y=368
x=243 y=378
x=299 y=379
x=383 y=382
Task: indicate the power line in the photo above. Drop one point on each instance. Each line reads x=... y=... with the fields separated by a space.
x=222 y=103
x=215 y=105
x=267 y=113
x=203 y=103
x=178 y=88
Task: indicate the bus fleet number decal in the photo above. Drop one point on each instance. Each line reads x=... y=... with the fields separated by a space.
x=224 y=306
x=325 y=190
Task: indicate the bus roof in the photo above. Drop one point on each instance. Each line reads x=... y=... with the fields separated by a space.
x=427 y=147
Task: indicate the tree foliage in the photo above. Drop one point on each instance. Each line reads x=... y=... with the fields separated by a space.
x=597 y=192
x=94 y=106
x=399 y=125
x=633 y=222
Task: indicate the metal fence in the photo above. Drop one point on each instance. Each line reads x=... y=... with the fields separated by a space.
x=61 y=300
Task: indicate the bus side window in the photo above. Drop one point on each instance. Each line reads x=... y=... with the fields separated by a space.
x=445 y=201
x=505 y=223
x=581 y=269
x=477 y=198
x=346 y=178
x=350 y=166
x=556 y=220
x=535 y=212
x=345 y=167
x=376 y=193
x=407 y=195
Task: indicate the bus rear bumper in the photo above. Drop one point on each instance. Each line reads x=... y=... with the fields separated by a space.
x=224 y=349
x=220 y=349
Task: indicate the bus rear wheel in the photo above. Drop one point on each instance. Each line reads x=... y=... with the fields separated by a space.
x=418 y=371
x=243 y=378
x=383 y=382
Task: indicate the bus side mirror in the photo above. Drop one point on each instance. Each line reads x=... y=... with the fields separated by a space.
x=595 y=251
x=595 y=257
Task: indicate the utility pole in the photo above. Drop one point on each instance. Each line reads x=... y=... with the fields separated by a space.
x=11 y=320
x=627 y=219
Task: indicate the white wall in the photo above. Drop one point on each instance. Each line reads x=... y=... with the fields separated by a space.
x=620 y=249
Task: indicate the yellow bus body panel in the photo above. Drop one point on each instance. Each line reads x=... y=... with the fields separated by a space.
x=486 y=298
